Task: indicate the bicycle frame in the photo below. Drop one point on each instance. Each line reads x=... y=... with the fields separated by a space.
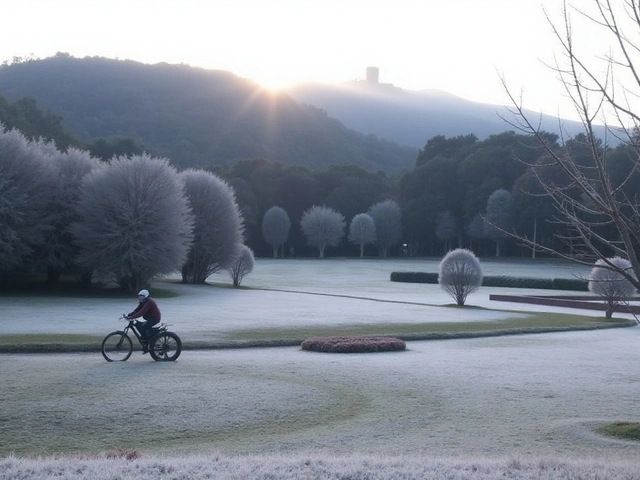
x=132 y=326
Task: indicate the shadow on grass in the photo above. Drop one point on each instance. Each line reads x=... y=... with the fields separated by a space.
x=28 y=285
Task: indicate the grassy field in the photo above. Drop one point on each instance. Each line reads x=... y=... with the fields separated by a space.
x=486 y=406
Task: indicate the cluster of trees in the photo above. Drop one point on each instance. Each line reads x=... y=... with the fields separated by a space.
x=261 y=184
x=126 y=221
x=325 y=227
x=462 y=192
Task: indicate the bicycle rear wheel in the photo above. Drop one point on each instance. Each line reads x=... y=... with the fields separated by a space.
x=117 y=347
x=165 y=347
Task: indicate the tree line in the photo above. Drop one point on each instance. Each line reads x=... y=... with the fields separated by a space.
x=123 y=221
x=462 y=192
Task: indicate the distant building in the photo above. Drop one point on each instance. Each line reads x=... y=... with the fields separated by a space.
x=373 y=74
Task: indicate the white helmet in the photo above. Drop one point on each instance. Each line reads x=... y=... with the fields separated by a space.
x=143 y=293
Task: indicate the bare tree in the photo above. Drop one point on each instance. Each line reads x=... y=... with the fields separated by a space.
x=388 y=220
x=218 y=228
x=610 y=285
x=26 y=184
x=242 y=266
x=596 y=208
x=275 y=228
x=362 y=231
x=460 y=274
x=135 y=221
x=323 y=227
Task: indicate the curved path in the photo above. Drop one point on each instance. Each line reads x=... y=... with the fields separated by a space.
x=525 y=395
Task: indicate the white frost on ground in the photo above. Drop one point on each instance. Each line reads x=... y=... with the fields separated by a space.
x=529 y=395
x=518 y=395
x=352 y=285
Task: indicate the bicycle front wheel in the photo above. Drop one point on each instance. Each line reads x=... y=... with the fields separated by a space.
x=165 y=347
x=117 y=347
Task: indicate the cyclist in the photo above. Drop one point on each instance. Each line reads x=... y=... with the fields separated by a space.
x=148 y=309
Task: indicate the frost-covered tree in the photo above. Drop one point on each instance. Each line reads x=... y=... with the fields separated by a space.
x=58 y=252
x=388 y=220
x=218 y=227
x=497 y=217
x=135 y=222
x=242 y=266
x=460 y=274
x=323 y=227
x=446 y=228
x=26 y=182
x=275 y=228
x=362 y=231
x=606 y=281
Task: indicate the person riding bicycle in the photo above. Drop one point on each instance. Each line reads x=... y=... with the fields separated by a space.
x=147 y=309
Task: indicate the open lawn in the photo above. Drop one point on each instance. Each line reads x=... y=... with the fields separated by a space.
x=527 y=405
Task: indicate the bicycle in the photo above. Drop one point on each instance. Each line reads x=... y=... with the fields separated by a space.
x=164 y=346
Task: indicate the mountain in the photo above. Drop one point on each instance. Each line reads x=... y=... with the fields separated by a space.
x=193 y=116
x=413 y=117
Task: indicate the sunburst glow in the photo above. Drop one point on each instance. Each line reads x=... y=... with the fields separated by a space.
x=458 y=46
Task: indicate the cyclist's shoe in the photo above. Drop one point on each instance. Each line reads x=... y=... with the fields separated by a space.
x=145 y=348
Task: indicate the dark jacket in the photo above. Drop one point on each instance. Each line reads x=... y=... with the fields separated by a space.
x=147 y=309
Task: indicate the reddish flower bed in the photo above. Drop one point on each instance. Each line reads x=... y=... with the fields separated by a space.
x=353 y=344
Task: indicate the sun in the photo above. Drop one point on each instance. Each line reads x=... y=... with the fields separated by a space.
x=275 y=81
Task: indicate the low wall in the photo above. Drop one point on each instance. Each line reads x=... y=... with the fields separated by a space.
x=570 y=301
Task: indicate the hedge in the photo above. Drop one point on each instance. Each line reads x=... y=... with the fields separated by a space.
x=573 y=284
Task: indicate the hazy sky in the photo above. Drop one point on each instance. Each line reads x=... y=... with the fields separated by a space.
x=459 y=46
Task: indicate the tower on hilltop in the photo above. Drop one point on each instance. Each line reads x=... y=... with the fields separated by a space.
x=373 y=74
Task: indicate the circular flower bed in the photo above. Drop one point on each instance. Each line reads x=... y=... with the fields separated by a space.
x=353 y=344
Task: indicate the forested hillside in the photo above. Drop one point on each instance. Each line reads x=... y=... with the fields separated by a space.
x=195 y=117
x=413 y=117
x=444 y=194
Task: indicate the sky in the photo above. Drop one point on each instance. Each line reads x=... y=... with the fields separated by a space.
x=459 y=46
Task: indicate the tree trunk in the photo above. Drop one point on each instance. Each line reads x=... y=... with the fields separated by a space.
x=53 y=276
x=610 y=307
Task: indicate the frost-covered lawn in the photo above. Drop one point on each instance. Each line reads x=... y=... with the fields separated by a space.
x=520 y=397
x=350 y=292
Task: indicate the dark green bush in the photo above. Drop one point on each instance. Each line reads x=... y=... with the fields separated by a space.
x=574 y=284
x=570 y=284
x=516 y=282
x=414 y=277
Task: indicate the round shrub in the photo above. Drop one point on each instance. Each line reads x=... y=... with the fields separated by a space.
x=610 y=284
x=460 y=274
x=360 y=344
